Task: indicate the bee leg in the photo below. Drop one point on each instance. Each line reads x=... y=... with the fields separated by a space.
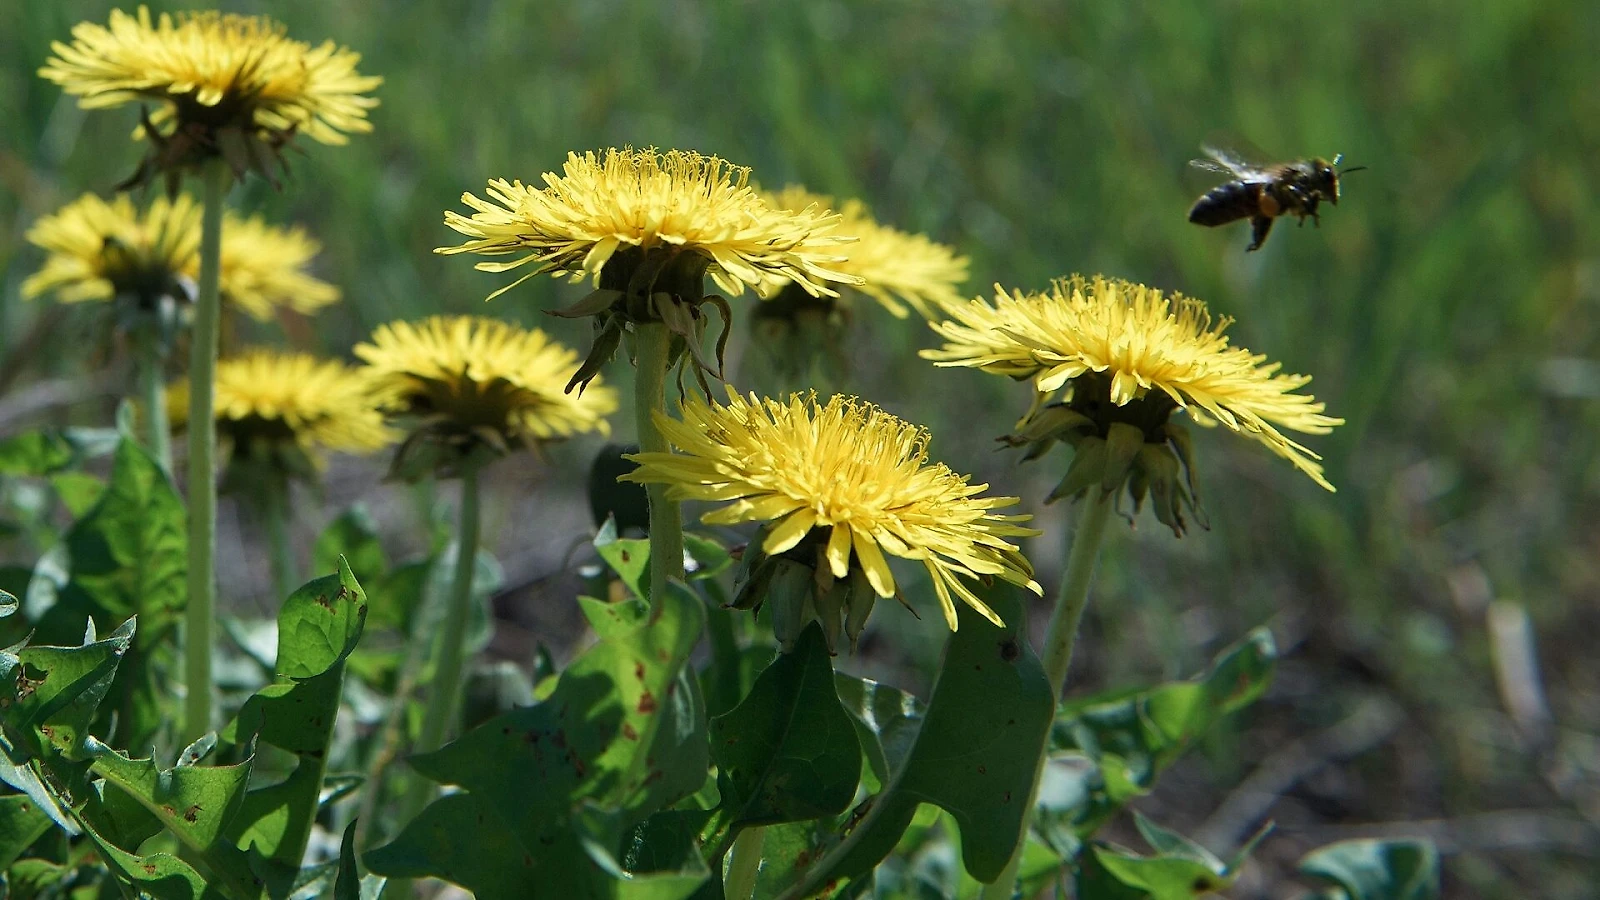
x=1259 y=226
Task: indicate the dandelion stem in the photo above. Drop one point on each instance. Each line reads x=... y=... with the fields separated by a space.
x=444 y=694
x=275 y=510
x=1059 y=639
x=152 y=392
x=200 y=611
x=745 y=862
x=654 y=343
x=1062 y=633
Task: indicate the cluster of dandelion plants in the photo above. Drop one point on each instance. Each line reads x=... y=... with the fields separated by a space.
x=838 y=505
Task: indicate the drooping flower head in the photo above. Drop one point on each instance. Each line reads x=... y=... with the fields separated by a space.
x=277 y=410
x=467 y=384
x=1130 y=356
x=223 y=85
x=648 y=227
x=897 y=268
x=105 y=250
x=99 y=250
x=837 y=485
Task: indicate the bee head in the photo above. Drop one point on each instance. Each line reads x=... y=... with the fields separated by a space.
x=1328 y=173
x=1325 y=178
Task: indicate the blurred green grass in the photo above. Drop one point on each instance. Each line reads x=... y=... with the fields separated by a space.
x=1448 y=307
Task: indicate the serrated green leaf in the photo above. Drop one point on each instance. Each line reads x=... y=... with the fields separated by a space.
x=318 y=626
x=161 y=876
x=129 y=553
x=1403 y=869
x=129 y=557
x=62 y=687
x=789 y=751
x=622 y=736
x=975 y=754
x=194 y=803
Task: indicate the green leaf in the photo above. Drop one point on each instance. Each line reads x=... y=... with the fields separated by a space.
x=195 y=803
x=129 y=553
x=349 y=885
x=320 y=624
x=788 y=752
x=1110 y=749
x=79 y=491
x=8 y=605
x=162 y=876
x=460 y=839
x=35 y=453
x=1400 y=869
x=60 y=690
x=710 y=557
x=975 y=755
x=318 y=628
x=1180 y=870
x=129 y=557
x=22 y=822
x=629 y=558
x=886 y=721
x=354 y=536
x=622 y=736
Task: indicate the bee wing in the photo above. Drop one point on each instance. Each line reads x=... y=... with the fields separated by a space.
x=1242 y=164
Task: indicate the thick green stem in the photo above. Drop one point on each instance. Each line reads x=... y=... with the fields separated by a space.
x=1060 y=638
x=275 y=510
x=1073 y=596
x=653 y=343
x=444 y=694
x=745 y=862
x=201 y=610
x=153 y=393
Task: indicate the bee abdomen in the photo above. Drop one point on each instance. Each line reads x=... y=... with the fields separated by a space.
x=1226 y=203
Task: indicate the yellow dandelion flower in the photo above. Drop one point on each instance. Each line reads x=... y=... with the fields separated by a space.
x=469 y=378
x=642 y=200
x=269 y=401
x=263 y=268
x=853 y=474
x=225 y=84
x=896 y=268
x=1149 y=354
x=98 y=250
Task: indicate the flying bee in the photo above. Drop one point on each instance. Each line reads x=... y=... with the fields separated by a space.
x=1262 y=192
